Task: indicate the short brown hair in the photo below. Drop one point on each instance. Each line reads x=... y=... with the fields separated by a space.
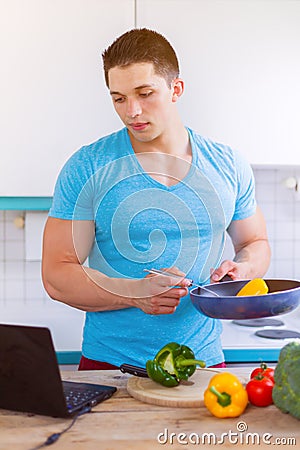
x=142 y=45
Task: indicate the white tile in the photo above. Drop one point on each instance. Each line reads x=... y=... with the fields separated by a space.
x=271 y=229
x=1 y=290
x=283 y=194
x=284 y=269
x=284 y=173
x=32 y=270
x=297 y=230
x=265 y=175
x=297 y=248
x=265 y=192
x=10 y=215
x=34 y=228
x=14 y=290
x=34 y=289
x=14 y=250
x=284 y=231
x=1 y=216
x=297 y=211
x=284 y=212
x=12 y=233
x=286 y=228
x=14 y=270
x=271 y=271
x=1 y=231
x=1 y=250
x=2 y=274
x=268 y=210
x=284 y=250
x=297 y=269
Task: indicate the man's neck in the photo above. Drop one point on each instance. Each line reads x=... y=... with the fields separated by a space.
x=166 y=159
x=174 y=142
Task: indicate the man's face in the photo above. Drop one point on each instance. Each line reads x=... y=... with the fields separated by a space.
x=142 y=99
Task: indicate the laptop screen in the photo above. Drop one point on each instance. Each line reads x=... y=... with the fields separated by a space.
x=29 y=373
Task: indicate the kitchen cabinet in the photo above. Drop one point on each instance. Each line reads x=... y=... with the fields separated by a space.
x=53 y=96
x=240 y=61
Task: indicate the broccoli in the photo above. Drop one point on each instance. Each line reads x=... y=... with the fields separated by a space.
x=286 y=391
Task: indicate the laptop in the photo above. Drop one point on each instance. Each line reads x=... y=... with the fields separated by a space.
x=30 y=379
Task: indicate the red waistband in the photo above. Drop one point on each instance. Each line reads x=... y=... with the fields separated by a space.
x=90 y=364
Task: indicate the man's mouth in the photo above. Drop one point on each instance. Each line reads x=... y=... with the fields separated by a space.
x=139 y=126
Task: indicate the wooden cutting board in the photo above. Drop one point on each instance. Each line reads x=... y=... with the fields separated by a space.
x=188 y=395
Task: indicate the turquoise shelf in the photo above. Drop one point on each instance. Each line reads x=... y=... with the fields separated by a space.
x=231 y=356
x=70 y=357
x=251 y=355
x=25 y=203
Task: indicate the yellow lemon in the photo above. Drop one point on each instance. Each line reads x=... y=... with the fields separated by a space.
x=257 y=286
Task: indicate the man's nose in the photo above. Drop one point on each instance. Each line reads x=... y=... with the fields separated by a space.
x=133 y=108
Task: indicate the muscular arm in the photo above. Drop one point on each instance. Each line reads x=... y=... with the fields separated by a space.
x=66 y=245
x=252 y=250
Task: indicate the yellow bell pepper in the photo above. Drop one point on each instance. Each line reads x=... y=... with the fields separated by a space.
x=257 y=286
x=225 y=396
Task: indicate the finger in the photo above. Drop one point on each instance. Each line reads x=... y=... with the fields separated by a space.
x=222 y=270
x=169 y=281
x=156 y=303
x=175 y=293
x=162 y=285
x=234 y=274
x=162 y=310
x=170 y=292
x=167 y=309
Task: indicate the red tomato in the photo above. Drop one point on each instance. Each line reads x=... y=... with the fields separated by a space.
x=265 y=371
x=259 y=390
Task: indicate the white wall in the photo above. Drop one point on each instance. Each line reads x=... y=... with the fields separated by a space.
x=52 y=90
x=239 y=58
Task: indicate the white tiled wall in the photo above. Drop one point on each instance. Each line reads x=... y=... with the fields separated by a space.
x=23 y=299
x=19 y=279
x=281 y=208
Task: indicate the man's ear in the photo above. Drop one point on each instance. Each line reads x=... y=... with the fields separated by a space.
x=178 y=88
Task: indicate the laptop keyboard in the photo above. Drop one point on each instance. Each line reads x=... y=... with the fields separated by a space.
x=81 y=395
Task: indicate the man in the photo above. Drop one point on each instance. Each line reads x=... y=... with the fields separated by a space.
x=154 y=194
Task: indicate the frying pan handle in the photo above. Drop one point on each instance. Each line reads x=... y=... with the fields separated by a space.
x=226 y=278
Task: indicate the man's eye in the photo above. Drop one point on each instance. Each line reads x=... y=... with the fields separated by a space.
x=118 y=99
x=146 y=94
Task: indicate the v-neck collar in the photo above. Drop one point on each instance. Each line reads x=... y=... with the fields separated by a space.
x=151 y=179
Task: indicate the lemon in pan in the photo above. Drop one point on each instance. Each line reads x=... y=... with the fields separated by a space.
x=257 y=286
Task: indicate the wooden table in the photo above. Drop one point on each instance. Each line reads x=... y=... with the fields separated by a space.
x=125 y=423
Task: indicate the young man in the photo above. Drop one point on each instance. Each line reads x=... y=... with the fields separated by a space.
x=154 y=194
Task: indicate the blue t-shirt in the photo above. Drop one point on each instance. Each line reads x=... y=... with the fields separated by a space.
x=141 y=223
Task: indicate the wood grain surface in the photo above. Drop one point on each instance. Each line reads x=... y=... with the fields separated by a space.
x=187 y=395
x=124 y=423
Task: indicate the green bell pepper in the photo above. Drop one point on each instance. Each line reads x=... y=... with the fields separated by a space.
x=173 y=363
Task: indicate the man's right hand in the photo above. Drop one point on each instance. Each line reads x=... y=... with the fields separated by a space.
x=165 y=292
